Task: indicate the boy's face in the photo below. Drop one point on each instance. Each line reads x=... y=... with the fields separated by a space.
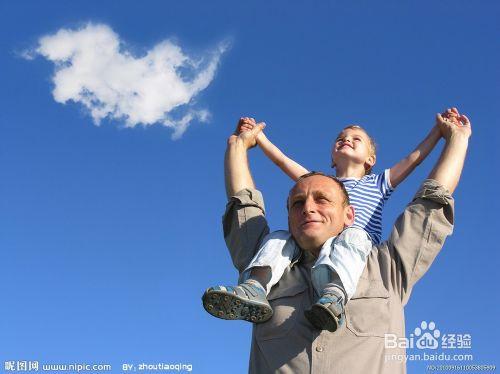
x=353 y=145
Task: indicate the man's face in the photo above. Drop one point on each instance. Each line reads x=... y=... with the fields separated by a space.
x=317 y=212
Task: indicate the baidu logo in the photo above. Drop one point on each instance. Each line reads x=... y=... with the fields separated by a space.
x=427 y=336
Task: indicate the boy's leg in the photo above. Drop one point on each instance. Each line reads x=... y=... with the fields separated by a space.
x=346 y=256
x=267 y=267
x=262 y=275
x=336 y=274
x=247 y=301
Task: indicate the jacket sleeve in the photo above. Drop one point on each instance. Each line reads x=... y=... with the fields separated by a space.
x=244 y=226
x=419 y=234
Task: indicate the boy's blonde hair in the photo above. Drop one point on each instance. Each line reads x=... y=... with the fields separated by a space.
x=373 y=145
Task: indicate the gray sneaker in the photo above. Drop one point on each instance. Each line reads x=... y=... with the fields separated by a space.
x=246 y=301
x=327 y=313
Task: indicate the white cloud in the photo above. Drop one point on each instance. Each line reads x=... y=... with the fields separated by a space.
x=93 y=68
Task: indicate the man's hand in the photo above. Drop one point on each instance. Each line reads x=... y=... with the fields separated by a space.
x=247 y=124
x=452 y=123
x=247 y=131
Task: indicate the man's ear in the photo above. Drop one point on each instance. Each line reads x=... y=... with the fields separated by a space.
x=349 y=215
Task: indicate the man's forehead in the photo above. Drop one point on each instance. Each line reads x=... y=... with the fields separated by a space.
x=315 y=183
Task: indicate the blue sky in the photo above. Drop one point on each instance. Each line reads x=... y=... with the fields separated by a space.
x=110 y=234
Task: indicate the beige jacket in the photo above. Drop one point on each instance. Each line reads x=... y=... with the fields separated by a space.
x=288 y=343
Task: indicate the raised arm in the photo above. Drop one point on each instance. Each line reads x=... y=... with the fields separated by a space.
x=451 y=162
x=419 y=233
x=236 y=170
x=403 y=168
x=244 y=223
x=291 y=168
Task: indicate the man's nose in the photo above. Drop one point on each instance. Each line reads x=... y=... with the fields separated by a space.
x=309 y=206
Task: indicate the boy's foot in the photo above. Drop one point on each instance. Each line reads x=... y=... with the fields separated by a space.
x=327 y=313
x=247 y=301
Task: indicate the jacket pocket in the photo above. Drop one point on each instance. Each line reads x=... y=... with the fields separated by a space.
x=287 y=304
x=367 y=313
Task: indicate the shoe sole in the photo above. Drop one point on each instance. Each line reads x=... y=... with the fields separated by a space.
x=321 y=318
x=228 y=306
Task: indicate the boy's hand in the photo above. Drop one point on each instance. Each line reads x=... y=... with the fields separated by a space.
x=452 y=115
x=247 y=131
x=452 y=122
x=245 y=124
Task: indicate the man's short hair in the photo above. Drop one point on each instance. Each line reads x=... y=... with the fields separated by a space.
x=345 y=200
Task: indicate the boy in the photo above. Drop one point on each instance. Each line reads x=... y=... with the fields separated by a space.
x=342 y=259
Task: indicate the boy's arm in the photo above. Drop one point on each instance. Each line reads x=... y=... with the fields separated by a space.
x=404 y=167
x=290 y=167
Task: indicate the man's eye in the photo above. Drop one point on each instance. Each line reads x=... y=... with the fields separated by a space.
x=297 y=203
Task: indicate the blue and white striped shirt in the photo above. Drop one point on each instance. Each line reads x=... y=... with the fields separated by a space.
x=368 y=196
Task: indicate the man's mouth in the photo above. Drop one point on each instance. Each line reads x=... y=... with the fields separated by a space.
x=308 y=222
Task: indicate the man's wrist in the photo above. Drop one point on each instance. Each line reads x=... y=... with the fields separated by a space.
x=238 y=143
x=458 y=138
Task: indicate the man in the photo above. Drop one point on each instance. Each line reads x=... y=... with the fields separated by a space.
x=288 y=343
